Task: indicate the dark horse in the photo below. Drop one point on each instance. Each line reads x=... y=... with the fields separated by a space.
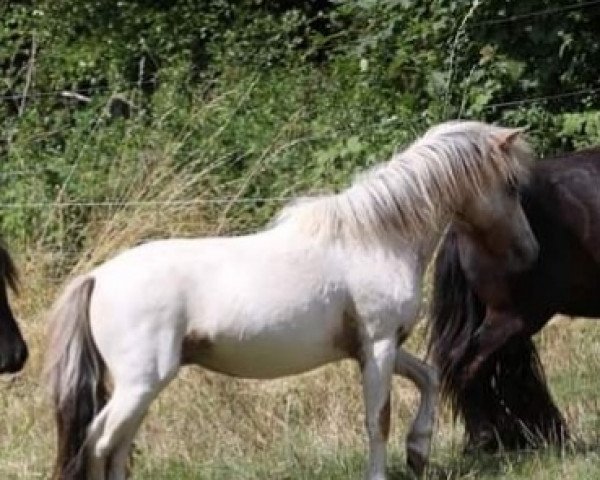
x=13 y=350
x=483 y=315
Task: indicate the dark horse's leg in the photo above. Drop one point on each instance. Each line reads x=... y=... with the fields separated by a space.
x=13 y=350
x=505 y=368
x=508 y=397
x=494 y=332
x=508 y=403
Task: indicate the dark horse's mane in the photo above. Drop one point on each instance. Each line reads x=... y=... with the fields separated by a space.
x=508 y=402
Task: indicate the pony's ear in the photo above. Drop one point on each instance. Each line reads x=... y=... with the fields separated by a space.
x=507 y=136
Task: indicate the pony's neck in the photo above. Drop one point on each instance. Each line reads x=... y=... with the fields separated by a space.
x=396 y=200
x=413 y=194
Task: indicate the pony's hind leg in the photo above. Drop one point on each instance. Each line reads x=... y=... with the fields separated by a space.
x=96 y=468
x=123 y=416
x=377 y=370
x=119 y=462
x=425 y=377
x=136 y=384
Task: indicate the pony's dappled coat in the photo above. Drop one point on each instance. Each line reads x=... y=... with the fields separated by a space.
x=276 y=302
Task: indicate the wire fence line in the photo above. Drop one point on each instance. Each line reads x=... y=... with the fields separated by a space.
x=181 y=222
x=234 y=200
x=492 y=106
x=537 y=13
x=149 y=203
x=557 y=96
x=77 y=93
x=518 y=101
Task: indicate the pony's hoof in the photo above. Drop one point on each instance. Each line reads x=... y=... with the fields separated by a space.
x=416 y=462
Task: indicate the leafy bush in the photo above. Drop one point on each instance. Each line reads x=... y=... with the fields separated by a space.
x=271 y=97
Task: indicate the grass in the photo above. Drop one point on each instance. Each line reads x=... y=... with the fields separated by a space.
x=207 y=426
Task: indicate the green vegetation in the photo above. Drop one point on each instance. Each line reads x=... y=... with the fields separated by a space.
x=122 y=121
x=295 y=95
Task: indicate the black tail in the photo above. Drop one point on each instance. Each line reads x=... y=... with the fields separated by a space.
x=75 y=374
x=13 y=350
x=508 y=404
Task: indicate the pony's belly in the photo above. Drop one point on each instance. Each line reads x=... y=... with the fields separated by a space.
x=268 y=332
x=263 y=357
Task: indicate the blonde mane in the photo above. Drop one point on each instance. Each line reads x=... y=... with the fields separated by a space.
x=417 y=190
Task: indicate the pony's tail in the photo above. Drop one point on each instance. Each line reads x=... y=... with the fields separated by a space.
x=508 y=404
x=75 y=376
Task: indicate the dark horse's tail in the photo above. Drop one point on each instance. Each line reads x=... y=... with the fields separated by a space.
x=508 y=403
x=75 y=373
x=13 y=350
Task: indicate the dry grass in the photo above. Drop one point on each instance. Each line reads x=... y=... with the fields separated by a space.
x=311 y=426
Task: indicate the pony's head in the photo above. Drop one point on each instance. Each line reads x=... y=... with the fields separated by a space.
x=493 y=218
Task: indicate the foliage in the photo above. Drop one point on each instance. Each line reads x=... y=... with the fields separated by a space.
x=276 y=97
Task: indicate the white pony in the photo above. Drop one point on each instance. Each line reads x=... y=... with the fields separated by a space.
x=334 y=277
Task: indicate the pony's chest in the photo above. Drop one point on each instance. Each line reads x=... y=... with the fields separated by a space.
x=387 y=287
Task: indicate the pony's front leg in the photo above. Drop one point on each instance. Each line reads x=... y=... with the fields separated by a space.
x=425 y=377
x=377 y=368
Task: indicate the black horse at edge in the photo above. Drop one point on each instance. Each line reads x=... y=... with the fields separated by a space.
x=483 y=316
x=13 y=350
